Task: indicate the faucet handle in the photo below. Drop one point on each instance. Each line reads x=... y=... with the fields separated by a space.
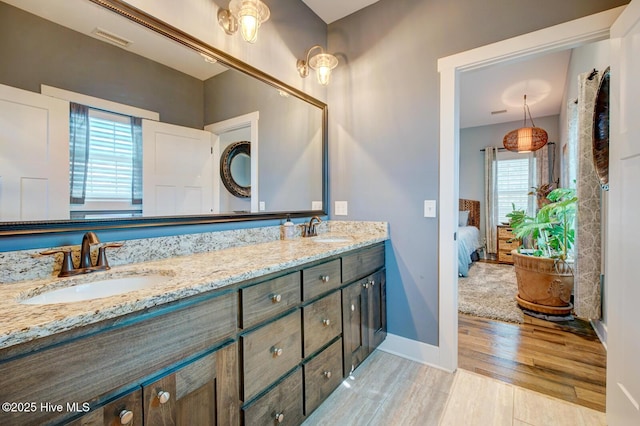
x=67 y=263
x=102 y=255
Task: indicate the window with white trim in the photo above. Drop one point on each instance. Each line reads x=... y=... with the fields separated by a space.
x=513 y=185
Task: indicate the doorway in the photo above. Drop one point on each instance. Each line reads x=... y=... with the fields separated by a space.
x=563 y=36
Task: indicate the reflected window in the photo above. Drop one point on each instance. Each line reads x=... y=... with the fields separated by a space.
x=105 y=163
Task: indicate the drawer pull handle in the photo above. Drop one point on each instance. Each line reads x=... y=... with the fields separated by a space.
x=324 y=278
x=276 y=298
x=276 y=352
x=326 y=322
x=125 y=416
x=163 y=397
x=353 y=307
x=279 y=417
x=327 y=374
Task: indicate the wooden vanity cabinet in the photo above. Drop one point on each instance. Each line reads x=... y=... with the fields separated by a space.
x=364 y=318
x=107 y=360
x=263 y=352
x=201 y=392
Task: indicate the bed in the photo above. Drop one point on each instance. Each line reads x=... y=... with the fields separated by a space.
x=468 y=234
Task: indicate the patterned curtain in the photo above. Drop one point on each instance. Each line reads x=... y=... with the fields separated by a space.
x=588 y=239
x=78 y=151
x=490 y=198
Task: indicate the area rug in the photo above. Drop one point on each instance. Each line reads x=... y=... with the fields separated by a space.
x=490 y=292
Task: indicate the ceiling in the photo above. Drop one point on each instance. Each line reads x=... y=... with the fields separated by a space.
x=501 y=90
x=332 y=10
x=498 y=89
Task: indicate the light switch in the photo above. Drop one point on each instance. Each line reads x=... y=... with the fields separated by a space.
x=261 y=206
x=429 y=208
x=341 y=208
x=316 y=205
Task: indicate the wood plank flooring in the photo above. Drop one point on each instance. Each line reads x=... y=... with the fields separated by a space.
x=538 y=355
x=389 y=390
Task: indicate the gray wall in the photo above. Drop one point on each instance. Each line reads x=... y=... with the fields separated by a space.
x=384 y=124
x=473 y=139
x=35 y=51
x=289 y=138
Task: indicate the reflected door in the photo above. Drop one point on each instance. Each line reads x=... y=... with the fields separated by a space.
x=177 y=170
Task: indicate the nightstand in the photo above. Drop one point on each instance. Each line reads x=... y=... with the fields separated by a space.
x=506 y=242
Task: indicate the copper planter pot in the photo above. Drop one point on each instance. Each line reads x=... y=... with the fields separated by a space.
x=544 y=285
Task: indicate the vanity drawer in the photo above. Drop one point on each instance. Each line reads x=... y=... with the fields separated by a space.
x=282 y=405
x=269 y=352
x=267 y=299
x=322 y=375
x=322 y=322
x=320 y=279
x=362 y=263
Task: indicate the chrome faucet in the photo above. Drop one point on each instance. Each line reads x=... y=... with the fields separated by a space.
x=86 y=266
x=310 y=229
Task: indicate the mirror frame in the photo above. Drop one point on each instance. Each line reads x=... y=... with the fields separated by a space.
x=142 y=18
x=231 y=152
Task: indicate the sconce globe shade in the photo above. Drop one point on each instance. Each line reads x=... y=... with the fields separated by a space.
x=323 y=63
x=250 y=15
x=525 y=139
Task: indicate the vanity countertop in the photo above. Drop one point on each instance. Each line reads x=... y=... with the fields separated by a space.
x=188 y=276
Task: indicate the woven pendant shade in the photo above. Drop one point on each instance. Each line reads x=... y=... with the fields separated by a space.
x=525 y=139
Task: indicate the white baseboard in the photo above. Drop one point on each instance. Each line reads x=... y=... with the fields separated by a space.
x=601 y=331
x=413 y=350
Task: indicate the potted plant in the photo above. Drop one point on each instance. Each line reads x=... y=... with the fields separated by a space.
x=543 y=265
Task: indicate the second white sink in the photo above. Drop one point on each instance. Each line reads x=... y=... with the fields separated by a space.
x=96 y=289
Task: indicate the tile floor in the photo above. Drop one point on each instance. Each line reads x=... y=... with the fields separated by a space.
x=389 y=390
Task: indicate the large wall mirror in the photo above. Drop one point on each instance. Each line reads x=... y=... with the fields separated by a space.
x=110 y=118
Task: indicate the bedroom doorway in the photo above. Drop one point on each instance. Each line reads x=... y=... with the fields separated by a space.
x=563 y=36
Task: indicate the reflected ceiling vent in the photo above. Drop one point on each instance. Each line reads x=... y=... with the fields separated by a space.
x=502 y=111
x=111 y=37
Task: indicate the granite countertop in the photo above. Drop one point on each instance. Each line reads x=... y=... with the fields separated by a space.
x=186 y=276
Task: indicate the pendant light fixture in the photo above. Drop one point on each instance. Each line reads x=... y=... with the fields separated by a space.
x=525 y=139
x=246 y=15
x=323 y=63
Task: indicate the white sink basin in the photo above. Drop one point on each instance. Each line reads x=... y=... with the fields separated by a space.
x=330 y=239
x=96 y=289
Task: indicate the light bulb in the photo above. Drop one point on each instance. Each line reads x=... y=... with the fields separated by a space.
x=249 y=27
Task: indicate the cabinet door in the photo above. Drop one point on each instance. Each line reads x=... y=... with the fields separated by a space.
x=354 y=320
x=203 y=392
x=377 y=300
x=126 y=410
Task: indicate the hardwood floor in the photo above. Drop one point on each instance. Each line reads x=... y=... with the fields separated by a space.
x=538 y=355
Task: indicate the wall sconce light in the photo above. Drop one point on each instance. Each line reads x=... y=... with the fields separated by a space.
x=246 y=15
x=525 y=139
x=323 y=63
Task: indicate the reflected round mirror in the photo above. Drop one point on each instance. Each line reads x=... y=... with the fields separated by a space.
x=235 y=168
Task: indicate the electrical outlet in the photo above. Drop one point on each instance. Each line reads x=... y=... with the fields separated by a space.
x=316 y=205
x=341 y=208
x=429 y=208
x=262 y=206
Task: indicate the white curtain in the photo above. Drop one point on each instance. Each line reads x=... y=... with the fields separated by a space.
x=490 y=199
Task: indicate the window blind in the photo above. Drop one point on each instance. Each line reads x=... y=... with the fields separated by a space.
x=512 y=186
x=110 y=167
